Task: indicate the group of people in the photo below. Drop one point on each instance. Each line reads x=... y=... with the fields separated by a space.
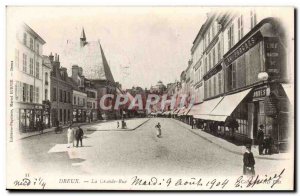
x=265 y=143
x=75 y=135
x=123 y=124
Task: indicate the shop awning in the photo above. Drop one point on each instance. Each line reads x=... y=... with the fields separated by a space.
x=203 y=110
x=289 y=90
x=228 y=105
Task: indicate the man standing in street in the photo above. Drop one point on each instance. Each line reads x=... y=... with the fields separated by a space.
x=249 y=162
x=79 y=135
x=260 y=139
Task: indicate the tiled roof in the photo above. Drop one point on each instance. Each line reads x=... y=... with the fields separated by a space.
x=90 y=57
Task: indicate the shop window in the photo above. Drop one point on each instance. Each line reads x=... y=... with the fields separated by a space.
x=60 y=115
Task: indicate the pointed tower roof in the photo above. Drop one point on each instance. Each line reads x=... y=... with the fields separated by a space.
x=90 y=57
x=82 y=34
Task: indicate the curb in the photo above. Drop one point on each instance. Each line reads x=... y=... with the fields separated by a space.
x=122 y=129
x=227 y=149
x=52 y=129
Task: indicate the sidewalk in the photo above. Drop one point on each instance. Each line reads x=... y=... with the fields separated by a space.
x=132 y=124
x=232 y=147
x=30 y=134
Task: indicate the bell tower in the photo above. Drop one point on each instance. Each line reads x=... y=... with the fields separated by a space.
x=82 y=38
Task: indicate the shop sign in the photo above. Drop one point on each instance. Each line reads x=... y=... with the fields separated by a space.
x=272 y=56
x=259 y=93
x=243 y=48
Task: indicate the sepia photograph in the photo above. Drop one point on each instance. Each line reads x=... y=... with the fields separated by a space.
x=150 y=98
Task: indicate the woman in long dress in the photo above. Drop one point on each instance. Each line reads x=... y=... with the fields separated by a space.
x=70 y=136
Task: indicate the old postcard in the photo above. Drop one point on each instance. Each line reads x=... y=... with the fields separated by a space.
x=150 y=98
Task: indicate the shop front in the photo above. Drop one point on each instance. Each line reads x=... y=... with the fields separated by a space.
x=30 y=117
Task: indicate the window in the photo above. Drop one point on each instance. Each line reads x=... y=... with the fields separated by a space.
x=69 y=97
x=219 y=51
x=69 y=115
x=230 y=36
x=205 y=90
x=31 y=44
x=30 y=93
x=253 y=18
x=206 y=66
x=37 y=48
x=209 y=62
x=78 y=101
x=233 y=83
x=74 y=100
x=220 y=82
x=31 y=66
x=240 y=27
x=208 y=38
x=54 y=94
x=46 y=78
x=209 y=88
x=17 y=57
x=37 y=94
x=60 y=95
x=37 y=71
x=60 y=115
x=17 y=85
x=213 y=57
x=65 y=97
x=83 y=102
x=215 y=85
x=24 y=62
x=46 y=94
x=213 y=29
x=24 y=92
x=25 y=39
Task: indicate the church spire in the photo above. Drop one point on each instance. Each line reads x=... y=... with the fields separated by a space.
x=82 y=38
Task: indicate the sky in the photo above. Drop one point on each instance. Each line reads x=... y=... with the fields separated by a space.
x=142 y=44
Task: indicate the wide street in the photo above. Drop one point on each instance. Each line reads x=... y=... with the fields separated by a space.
x=121 y=153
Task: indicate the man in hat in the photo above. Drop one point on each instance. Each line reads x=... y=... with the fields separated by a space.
x=79 y=135
x=260 y=139
x=249 y=162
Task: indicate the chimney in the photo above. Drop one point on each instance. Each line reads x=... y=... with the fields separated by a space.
x=80 y=71
x=51 y=57
x=75 y=70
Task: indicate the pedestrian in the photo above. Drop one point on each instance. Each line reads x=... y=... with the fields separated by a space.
x=193 y=123
x=249 y=162
x=118 y=124
x=269 y=142
x=79 y=135
x=70 y=136
x=260 y=139
x=158 y=127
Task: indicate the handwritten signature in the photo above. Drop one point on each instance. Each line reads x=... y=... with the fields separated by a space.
x=30 y=182
x=255 y=180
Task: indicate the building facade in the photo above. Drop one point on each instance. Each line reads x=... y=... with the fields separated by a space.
x=90 y=56
x=29 y=80
x=61 y=93
x=245 y=77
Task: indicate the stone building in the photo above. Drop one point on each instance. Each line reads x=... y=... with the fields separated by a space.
x=241 y=74
x=90 y=56
x=25 y=51
x=61 y=93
